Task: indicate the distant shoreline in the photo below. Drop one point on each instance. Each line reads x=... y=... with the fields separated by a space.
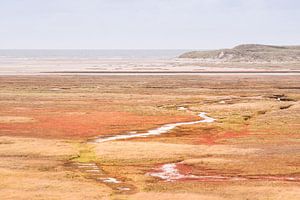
x=169 y=72
x=173 y=73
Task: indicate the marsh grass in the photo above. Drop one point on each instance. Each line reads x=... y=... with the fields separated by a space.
x=86 y=153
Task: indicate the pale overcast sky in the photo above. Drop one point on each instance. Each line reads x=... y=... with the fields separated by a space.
x=147 y=24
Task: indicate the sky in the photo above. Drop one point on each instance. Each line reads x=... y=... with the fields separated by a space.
x=147 y=24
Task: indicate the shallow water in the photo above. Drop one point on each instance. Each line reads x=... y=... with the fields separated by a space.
x=169 y=172
x=155 y=132
x=109 y=180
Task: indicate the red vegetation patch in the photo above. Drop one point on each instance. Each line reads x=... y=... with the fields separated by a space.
x=218 y=138
x=184 y=169
x=59 y=124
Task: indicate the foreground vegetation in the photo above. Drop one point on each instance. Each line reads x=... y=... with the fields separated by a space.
x=46 y=124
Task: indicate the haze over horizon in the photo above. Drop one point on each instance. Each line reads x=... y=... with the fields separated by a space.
x=141 y=24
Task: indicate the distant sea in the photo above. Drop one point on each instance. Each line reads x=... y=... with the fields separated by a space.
x=91 y=54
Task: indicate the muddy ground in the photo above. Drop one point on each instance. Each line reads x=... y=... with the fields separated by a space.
x=48 y=123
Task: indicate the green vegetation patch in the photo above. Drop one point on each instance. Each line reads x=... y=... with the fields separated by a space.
x=86 y=153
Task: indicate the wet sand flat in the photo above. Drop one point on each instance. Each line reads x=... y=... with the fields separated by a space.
x=155 y=66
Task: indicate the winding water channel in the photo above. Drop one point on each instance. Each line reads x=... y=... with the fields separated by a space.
x=155 y=132
x=168 y=172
